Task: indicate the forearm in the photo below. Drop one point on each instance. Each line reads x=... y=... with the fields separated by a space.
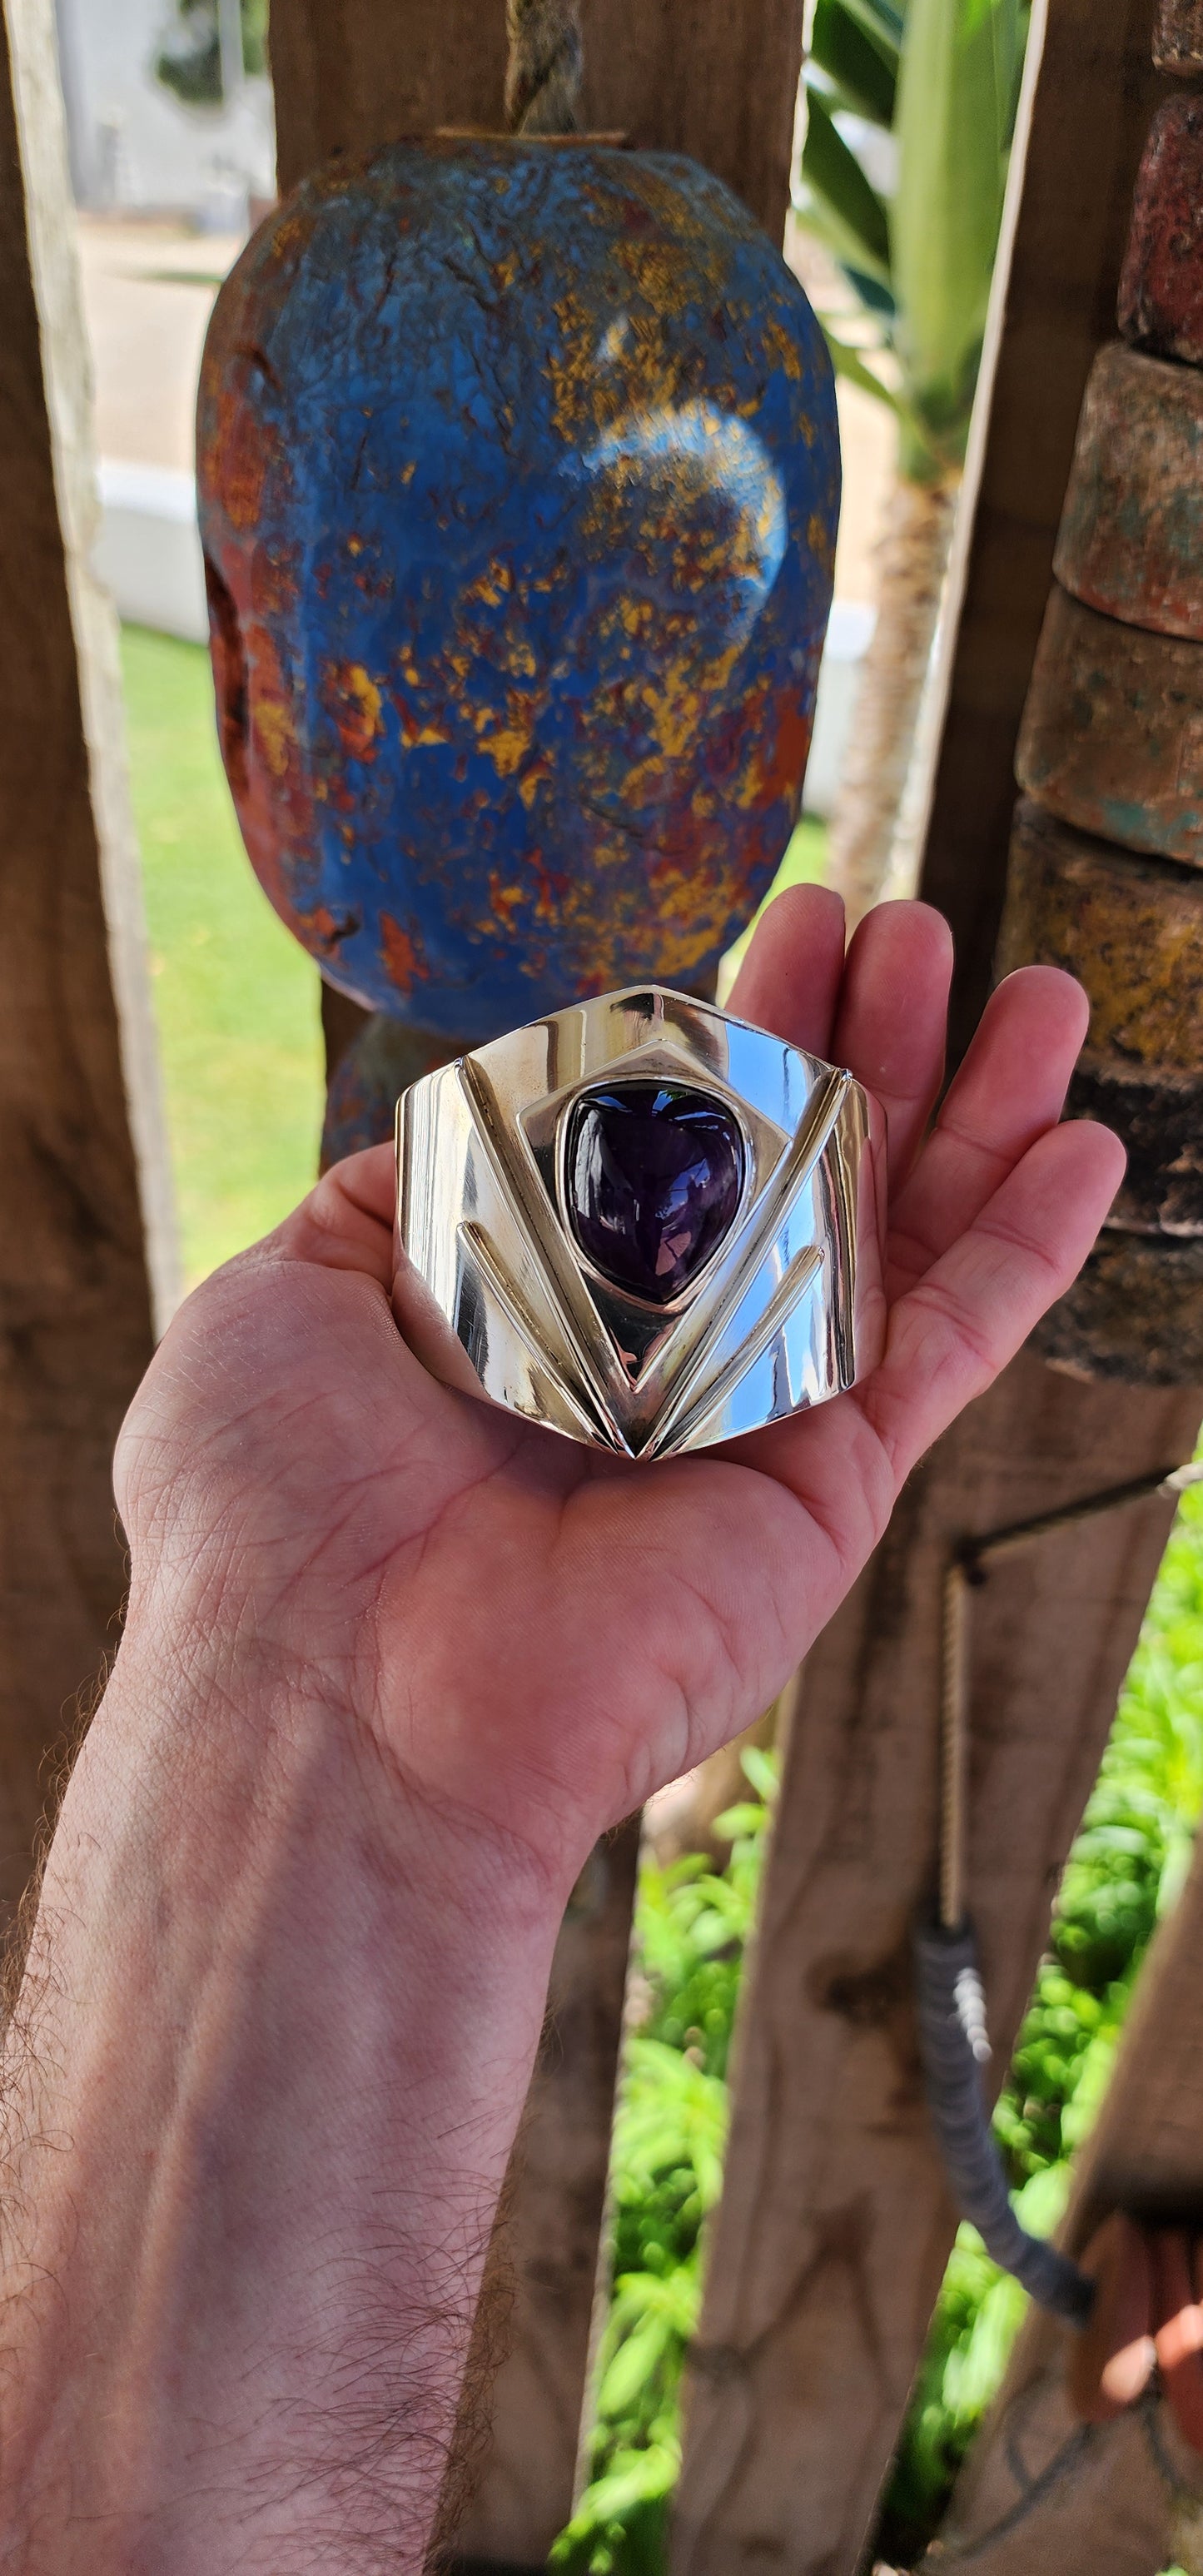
x=262 y=2082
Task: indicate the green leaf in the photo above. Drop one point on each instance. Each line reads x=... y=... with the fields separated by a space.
x=762 y=1768
x=880 y=21
x=635 y=2478
x=973 y=2373
x=849 y=364
x=852 y=210
x=739 y=1821
x=1180 y=1852
x=955 y=95
x=634 y=2364
x=863 y=66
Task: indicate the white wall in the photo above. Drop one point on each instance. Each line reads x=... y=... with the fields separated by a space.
x=133 y=143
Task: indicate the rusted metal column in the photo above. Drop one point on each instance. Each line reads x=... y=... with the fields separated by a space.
x=1109 y=739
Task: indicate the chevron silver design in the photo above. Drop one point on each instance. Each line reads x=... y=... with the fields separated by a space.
x=788 y=1310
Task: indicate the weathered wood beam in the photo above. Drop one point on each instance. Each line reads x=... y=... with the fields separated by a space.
x=1111 y=2512
x=82 y=1167
x=551 y=2236
x=1101 y=2507
x=716 y=81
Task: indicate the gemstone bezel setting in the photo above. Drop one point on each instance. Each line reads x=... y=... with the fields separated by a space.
x=714 y=1097
x=787 y=1310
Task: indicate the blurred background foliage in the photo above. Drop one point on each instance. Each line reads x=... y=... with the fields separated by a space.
x=189 y=60
x=909 y=118
x=910 y=112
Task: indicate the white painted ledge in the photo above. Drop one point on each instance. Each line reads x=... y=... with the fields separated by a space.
x=848 y=631
x=148 y=553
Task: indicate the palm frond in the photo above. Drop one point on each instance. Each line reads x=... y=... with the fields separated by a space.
x=837 y=200
x=863 y=66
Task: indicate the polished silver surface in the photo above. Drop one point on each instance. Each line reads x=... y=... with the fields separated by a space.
x=788 y=1310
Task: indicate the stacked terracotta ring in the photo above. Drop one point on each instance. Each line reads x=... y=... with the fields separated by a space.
x=1106 y=874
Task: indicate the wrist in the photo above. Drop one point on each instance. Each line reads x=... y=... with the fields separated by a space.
x=281 y=2015
x=259 y=1732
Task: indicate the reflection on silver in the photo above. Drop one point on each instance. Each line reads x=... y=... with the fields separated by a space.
x=788 y=1310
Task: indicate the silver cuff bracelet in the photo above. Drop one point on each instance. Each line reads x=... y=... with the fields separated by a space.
x=643 y=1223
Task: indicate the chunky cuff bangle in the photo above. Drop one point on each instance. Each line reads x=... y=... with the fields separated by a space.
x=642 y=1223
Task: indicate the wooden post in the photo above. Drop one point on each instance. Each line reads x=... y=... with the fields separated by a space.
x=1112 y=2509
x=552 y=2228
x=82 y=1162
x=716 y=79
x=835 y=2222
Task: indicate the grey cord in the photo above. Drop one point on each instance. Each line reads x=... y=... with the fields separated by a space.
x=955 y=2047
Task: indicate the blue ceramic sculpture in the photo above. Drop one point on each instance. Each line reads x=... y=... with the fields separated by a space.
x=519 y=481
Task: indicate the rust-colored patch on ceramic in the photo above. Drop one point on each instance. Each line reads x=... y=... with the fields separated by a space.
x=355 y=702
x=403 y=961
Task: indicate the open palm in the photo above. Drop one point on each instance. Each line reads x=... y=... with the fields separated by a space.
x=535 y=1635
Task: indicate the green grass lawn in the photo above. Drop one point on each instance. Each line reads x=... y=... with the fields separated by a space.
x=236 y=999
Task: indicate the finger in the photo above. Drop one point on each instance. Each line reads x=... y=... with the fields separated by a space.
x=1010 y=1088
x=790 y=979
x=892 y=1017
x=952 y=1333
x=346 y=1223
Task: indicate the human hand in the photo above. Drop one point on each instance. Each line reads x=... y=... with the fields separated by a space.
x=393 y=1659
x=535 y=1635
